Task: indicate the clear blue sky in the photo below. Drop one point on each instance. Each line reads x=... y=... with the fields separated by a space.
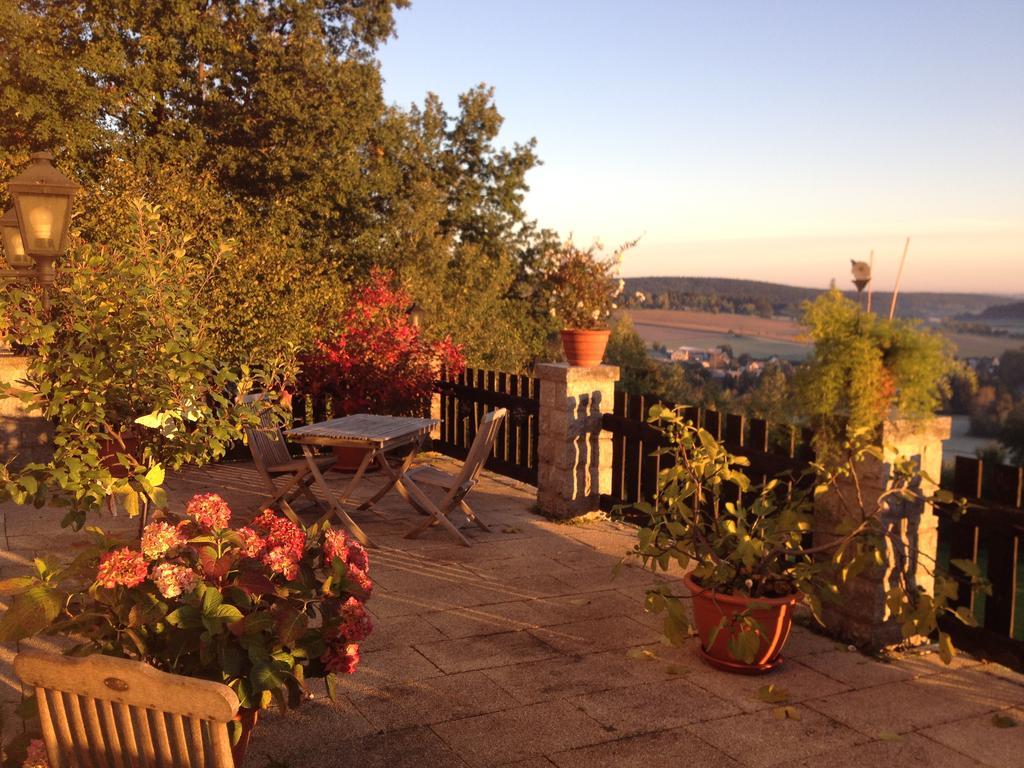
x=762 y=139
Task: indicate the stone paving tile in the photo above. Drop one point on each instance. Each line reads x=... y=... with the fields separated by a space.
x=568 y=676
x=799 y=682
x=527 y=614
x=660 y=748
x=980 y=738
x=909 y=705
x=398 y=664
x=659 y=706
x=485 y=651
x=515 y=734
x=403 y=630
x=423 y=702
x=909 y=751
x=411 y=748
x=855 y=669
x=804 y=642
x=593 y=635
x=758 y=739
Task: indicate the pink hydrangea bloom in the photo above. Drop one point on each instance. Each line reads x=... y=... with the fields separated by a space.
x=341 y=658
x=161 y=538
x=122 y=566
x=281 y=560
x=356 y=624
x=337 y=544
x=35 y=756
x=209 y=511
x=173 y=580
x=252 y=543
x=280 y=532
x=359 y=583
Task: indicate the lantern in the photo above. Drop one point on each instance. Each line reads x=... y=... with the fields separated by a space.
x=42 y=203
x=14 y=249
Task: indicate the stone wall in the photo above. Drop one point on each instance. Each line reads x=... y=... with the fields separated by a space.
x=24 y=437
x=862 y=617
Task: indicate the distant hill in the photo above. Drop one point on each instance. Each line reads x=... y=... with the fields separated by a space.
x=1014 y=311
x=755 y=297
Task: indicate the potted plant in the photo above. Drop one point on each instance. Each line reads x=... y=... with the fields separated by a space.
x=260 y=608
x=122 y=367
x=378 y=359
x=583 y=285
x=746 y=553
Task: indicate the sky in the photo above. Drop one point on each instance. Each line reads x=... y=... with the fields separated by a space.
x=762 y=139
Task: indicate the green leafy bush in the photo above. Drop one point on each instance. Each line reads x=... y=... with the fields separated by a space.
x=864 y=368
x=124 y=369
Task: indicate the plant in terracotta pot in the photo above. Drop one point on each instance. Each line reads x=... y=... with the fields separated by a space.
x=122 y=367
x=746 y=552
x=260 y=608
x=378 y=360
x=583 y=285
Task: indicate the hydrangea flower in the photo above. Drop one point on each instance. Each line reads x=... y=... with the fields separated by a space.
x=160 y=538
x=337 y=544
x=209 y=511
x=252 y=543
x=356 y=624
x=280 y=532
x=341 y=658
x=125 y=567
x=281 y=560
x=173 y=580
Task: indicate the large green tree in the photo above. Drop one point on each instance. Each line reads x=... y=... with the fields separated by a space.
x=275 y=111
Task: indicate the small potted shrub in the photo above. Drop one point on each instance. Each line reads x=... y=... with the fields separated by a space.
x=260 y=608
x=378 y=360
x=746 y=553
x=583 y=285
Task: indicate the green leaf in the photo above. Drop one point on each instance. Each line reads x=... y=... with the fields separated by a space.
x=1000 y=720
x=155 y=475
x=153 y=420
x=331 y=681
x=786 y=713
x=30 y=612
x=946 y=649
x=15 y=584
x=967 y=566
x=772 y=694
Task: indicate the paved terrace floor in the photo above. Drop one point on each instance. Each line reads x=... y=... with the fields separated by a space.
x=525 y=651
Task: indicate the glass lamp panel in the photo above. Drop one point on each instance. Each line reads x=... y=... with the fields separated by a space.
x=14 y=250
x=43 y=219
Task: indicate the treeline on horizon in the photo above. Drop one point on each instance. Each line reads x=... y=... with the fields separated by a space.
x=754 y=297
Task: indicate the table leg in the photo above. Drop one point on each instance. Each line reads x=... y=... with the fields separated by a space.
x=392 y=475
x=333 y=500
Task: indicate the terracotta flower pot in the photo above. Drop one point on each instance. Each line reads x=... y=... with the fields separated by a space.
x=247 y=717
x=585 y=347
x=774 y=614
x=348 y=459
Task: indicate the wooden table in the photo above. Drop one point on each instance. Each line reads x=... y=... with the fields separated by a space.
x=378 y=435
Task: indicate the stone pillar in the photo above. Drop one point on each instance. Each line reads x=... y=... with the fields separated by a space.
x=435 y=413
x=861 y=617
x=24 y=436
x=574 y=456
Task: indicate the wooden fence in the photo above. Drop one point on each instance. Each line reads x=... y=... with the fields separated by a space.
x=773 y=449
x=466 y=397
x=989 y=534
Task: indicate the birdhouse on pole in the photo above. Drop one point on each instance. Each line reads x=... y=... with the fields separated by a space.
x=861 y=274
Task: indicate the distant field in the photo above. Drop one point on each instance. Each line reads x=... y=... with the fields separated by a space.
x=763 y=338
x=755 y=336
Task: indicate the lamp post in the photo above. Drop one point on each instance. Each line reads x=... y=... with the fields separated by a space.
x=38 y=231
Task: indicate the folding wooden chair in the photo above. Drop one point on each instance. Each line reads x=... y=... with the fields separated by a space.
x=104 y=712
x=270 y=455
x=455 y=487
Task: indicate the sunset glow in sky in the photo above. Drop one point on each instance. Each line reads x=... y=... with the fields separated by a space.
x=771 y=140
